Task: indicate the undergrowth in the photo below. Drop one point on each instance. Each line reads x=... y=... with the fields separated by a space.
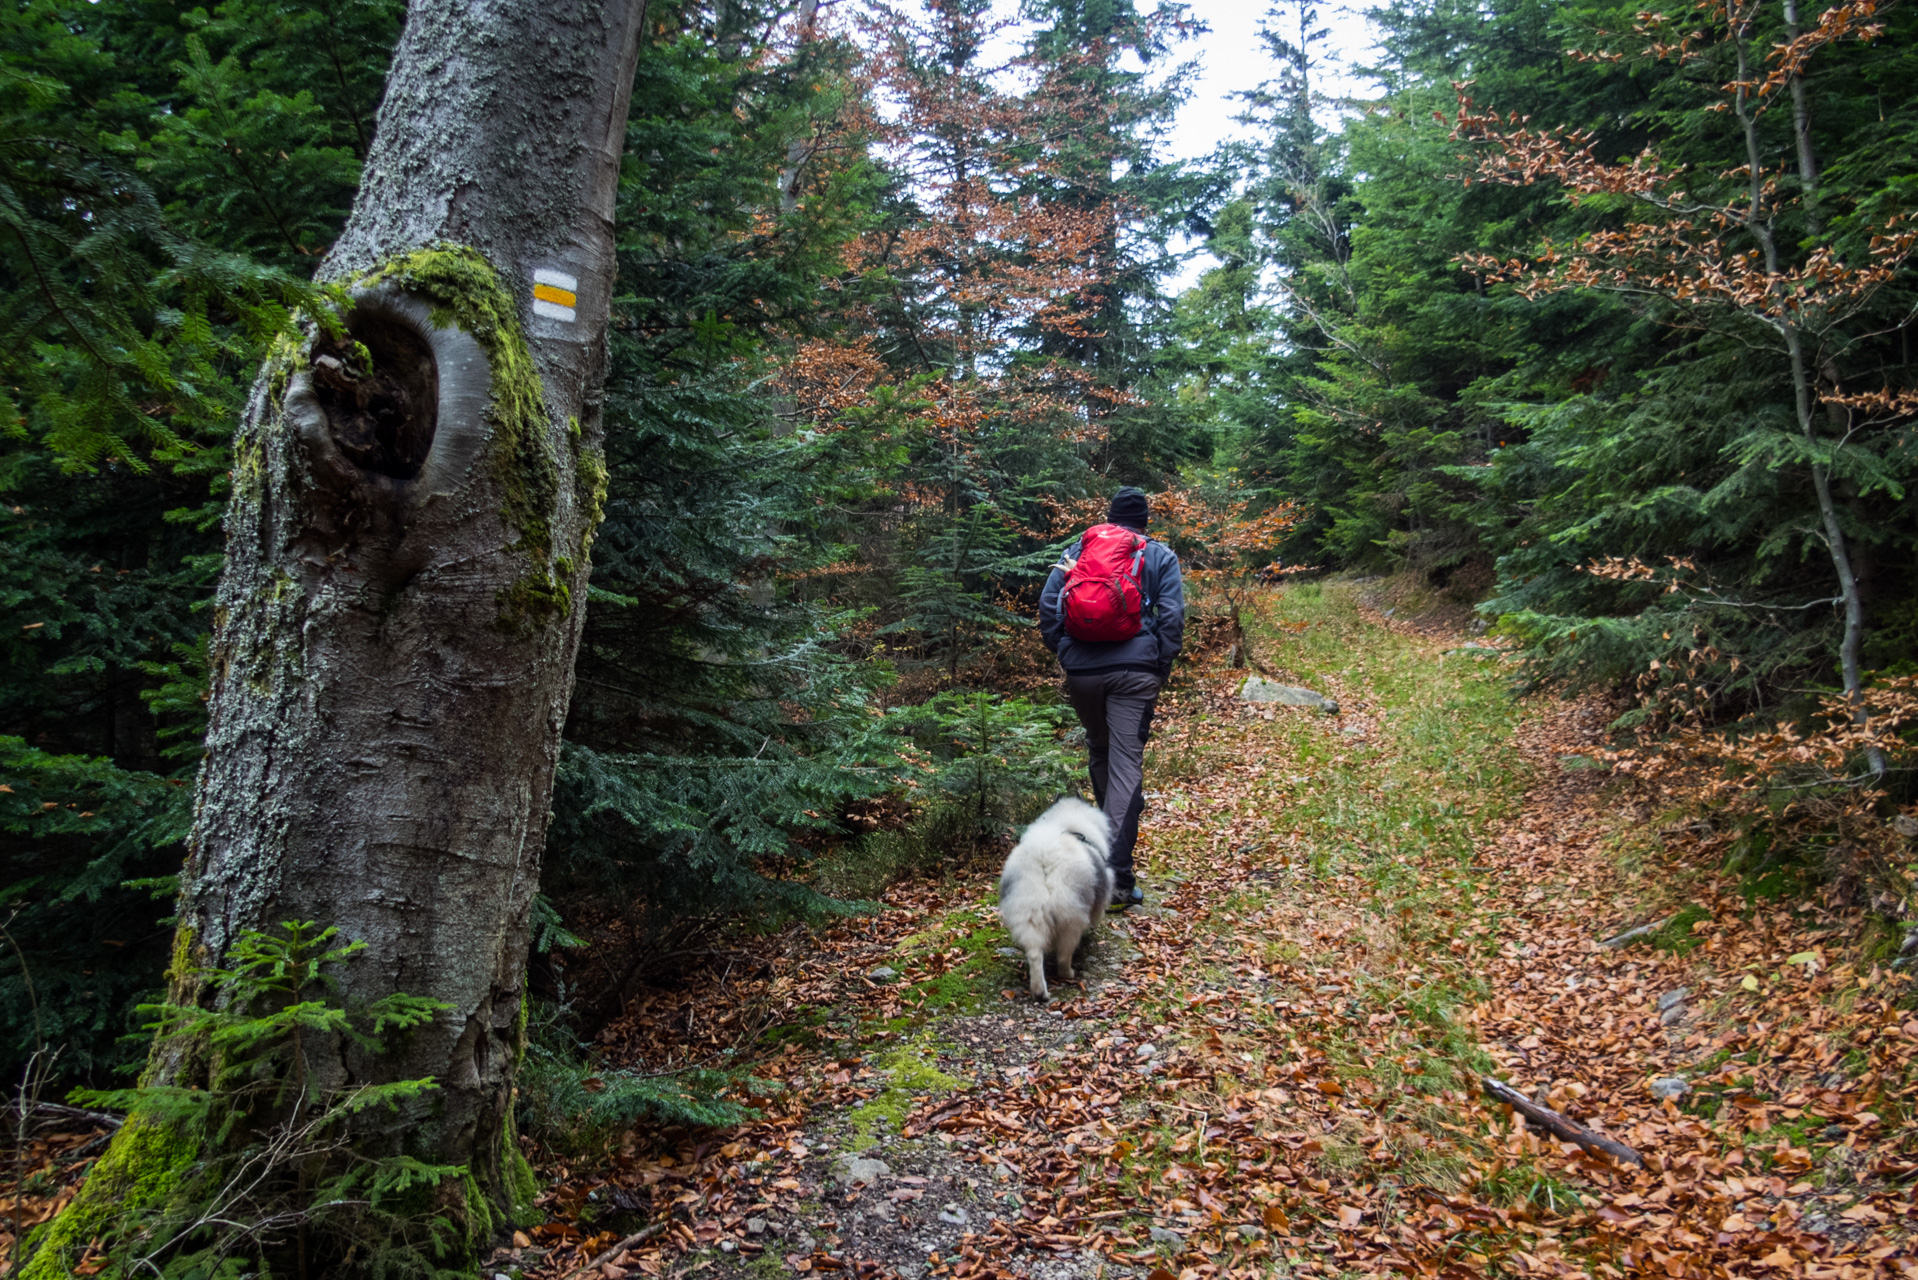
x=251 y=1157
x=573 y=1105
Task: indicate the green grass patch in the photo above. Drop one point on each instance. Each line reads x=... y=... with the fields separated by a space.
x=1403 y=811
x=952 y=966
x=1676 y=935
x=1517 y=1186
x=912 y=1074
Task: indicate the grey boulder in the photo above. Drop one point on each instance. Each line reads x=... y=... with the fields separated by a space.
x=1259 y=689
x=861 y=1169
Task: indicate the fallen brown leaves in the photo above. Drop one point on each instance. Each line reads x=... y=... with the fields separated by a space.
x=705 y=1186
x=1594 y=1026
x=39 y=1176
x=1264 y=1088
x=1286 y=1073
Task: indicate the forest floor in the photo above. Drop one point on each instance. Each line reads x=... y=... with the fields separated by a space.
x=1274 y=1068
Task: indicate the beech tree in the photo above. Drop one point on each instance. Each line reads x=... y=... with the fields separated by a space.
x=1748 y=250
x=416 y=483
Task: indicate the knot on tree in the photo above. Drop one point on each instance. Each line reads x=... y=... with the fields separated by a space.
x=390 y=416
x=379 y=388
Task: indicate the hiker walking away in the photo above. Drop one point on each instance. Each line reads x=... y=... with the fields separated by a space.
x=1114 y=612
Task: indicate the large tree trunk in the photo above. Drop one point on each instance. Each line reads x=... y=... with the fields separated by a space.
x=407 y=550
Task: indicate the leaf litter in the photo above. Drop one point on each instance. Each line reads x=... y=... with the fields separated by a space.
x=1276 y=1067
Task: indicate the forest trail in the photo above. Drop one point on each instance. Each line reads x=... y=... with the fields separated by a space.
x=1274 y=1067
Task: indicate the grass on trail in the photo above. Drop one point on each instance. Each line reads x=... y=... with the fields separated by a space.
x=1365 y=837
x=1275 y=1070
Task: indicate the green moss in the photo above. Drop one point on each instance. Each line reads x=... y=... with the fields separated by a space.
x=141 y=1170
x=481 y=1219
x=591 y=480
x=910 y=1076
x=967 y=984
x=249 y=468
x=184 y=959
x=185 y=979
x=531 y=602
x=521 y=1182
x=768 y=1266
x=1676 y=935
x=284 y=358
x=279 y=657
x=467 y=293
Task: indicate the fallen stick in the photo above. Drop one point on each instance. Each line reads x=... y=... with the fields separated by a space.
x=1557 y=1125
x=60 y=1111
x=638 y=1237
x=1633 y=935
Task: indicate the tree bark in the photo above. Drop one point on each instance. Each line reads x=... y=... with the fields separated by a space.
x=413 y=504
x=1804 y=393
x=1801 y=133
x=798 y=149
x=397 y=626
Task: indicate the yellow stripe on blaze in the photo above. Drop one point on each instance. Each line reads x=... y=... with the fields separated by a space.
x=552 y=293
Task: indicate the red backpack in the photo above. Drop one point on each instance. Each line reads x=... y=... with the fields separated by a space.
x=1102 y=599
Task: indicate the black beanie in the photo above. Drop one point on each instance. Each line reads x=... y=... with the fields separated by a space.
x=1130 y=509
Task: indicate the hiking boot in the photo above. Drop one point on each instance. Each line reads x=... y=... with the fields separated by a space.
x=1123 y=898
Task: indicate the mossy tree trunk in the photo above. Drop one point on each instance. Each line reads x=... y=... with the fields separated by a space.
x=413 y=504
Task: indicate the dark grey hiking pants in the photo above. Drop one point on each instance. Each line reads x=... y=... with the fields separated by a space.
x=1116 y=709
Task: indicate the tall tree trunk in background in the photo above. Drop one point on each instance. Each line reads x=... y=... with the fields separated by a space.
x=799 y=148
x=1802 y=360
x=413 y=504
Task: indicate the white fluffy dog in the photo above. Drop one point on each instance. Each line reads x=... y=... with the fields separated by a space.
x=1055 y=885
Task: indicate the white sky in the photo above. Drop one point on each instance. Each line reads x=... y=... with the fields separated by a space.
x=1233 y=59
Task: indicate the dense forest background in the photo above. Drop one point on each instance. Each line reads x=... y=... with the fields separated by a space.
x=894 y=315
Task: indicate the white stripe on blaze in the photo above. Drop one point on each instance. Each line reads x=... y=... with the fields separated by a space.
x=558 y=279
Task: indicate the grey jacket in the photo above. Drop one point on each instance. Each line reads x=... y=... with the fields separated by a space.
x=1153 y=649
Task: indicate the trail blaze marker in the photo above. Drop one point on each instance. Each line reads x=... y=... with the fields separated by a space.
x=555 y=295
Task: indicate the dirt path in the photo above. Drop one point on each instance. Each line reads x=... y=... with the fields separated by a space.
x=1273 y=1069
